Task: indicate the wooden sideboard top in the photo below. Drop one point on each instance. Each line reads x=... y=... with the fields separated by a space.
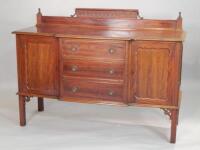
x=84 y=32
x=107 y=28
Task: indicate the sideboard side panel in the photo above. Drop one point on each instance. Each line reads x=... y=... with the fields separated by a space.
x=154 y=80
x=20 y=46
x=38 y=65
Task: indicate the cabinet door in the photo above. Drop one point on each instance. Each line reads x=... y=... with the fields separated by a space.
x=154 y=72
x=40 y=57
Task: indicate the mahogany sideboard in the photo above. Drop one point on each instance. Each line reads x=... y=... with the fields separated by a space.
x=102 y=56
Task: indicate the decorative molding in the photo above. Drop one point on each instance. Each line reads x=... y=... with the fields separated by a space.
x=167 y=112
x=27 y=98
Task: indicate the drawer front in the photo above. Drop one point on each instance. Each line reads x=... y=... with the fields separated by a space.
x=93 y=48
x=89 y=68
x=82 y=88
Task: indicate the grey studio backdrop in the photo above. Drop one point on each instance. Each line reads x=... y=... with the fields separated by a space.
x=81 y=126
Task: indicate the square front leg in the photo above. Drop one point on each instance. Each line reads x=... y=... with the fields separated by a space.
x=174 y=121
x=40 y=104
x=22 y=110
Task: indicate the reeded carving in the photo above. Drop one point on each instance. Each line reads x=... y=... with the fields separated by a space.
x=107 y=13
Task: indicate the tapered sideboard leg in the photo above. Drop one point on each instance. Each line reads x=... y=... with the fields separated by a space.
x=174 y=117
x=40 y=104
x=22 y=110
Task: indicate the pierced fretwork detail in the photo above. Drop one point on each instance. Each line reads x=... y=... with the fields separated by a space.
x=74 y=15
x=167 y=112
x=27 y=99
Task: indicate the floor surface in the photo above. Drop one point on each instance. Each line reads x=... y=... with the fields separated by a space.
x=75 y=126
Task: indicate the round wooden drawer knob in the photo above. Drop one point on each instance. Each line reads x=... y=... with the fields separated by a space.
x=74 y=68
x=111 y=71
x=75 y=89
x=110 y=93
x=111 y=51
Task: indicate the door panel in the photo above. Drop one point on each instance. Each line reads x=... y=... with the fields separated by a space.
x=41 y=65
x=152 y=72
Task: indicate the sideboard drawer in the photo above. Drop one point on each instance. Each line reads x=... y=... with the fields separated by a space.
x=93 y=48
x=97 y=89
x=93 y=68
